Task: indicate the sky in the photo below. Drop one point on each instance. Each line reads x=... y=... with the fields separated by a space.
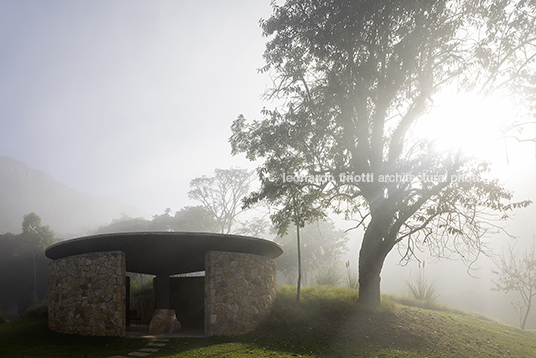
x=132 y=99
x=129 y=99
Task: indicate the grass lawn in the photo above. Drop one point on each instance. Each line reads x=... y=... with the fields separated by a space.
x=30 y=337
x=327 y=323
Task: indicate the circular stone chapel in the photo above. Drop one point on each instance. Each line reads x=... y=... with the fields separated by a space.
x=89 y=290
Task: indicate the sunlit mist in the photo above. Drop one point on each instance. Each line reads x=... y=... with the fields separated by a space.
x=470 y=124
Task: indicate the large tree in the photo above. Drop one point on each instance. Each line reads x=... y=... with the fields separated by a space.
x=353 y=77
x=222 y=195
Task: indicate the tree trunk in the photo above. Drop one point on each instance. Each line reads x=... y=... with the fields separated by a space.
x=35 y=267
x=299 y=264
x=529 y=305
x=372 y=255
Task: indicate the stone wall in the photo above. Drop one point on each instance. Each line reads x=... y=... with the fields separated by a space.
x=87 y=294
x=239 y=292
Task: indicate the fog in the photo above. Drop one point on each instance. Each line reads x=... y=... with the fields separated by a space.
x=133 y=99
x=471 y=289
x=128 y=99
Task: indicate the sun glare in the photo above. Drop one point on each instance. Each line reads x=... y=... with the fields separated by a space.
x=466 y=123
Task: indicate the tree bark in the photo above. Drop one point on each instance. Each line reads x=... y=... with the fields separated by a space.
x=528 y=302
x=35 y=268
x=298 y=289
x=372 y=255
x=525 y=318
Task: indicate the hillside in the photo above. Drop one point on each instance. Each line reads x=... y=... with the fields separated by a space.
x=67 y=211
x=327 y=323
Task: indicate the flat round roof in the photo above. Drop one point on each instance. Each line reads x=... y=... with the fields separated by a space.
x=164 y=252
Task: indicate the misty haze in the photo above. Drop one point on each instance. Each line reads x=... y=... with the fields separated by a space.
x=384 y=153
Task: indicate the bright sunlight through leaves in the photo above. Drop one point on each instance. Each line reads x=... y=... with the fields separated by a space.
x=464 y=122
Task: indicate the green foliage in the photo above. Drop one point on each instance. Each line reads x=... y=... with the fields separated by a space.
x=23 y=265
x=35 y=235
x=39 y=310
x=138 y=288
x=125 y=224
x=328 y=275
x=423 y=290
x=189 y=218
x=317 y=303
x=35 y=239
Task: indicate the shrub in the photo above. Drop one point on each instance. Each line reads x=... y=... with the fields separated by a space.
x=140 y=288
x=39 y=310
x=316 y=303
x=422 y=290
x=329 y=275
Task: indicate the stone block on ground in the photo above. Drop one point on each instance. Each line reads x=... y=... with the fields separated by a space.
x=151 y=350
x=164 y=321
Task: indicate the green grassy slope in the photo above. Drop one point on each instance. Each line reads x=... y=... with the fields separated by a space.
x=327 y=323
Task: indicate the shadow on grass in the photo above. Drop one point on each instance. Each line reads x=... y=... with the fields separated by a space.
x=31 y=337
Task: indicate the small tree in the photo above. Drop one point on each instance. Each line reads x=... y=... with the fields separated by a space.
x=35 y=239
x=517 y=273
x=296 y=205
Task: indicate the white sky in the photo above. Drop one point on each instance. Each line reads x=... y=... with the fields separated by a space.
x=132 y=99
x=128 y=99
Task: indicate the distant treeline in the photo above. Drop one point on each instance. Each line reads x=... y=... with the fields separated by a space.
x=189 y=218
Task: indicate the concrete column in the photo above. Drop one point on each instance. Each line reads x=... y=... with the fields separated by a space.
x=162 y=291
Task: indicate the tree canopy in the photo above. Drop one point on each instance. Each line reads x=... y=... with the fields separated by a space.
x=23 y=265
x=222 y=194
x=189 y=218
x=354 y=78
x=35 y=238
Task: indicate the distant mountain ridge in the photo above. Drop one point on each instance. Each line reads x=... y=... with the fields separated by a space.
x=67 y=211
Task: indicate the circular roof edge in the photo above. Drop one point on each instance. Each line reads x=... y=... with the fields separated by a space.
x=169 y=252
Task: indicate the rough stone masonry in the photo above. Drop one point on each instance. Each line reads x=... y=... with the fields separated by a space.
x=87 y=294
x=240 y=290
